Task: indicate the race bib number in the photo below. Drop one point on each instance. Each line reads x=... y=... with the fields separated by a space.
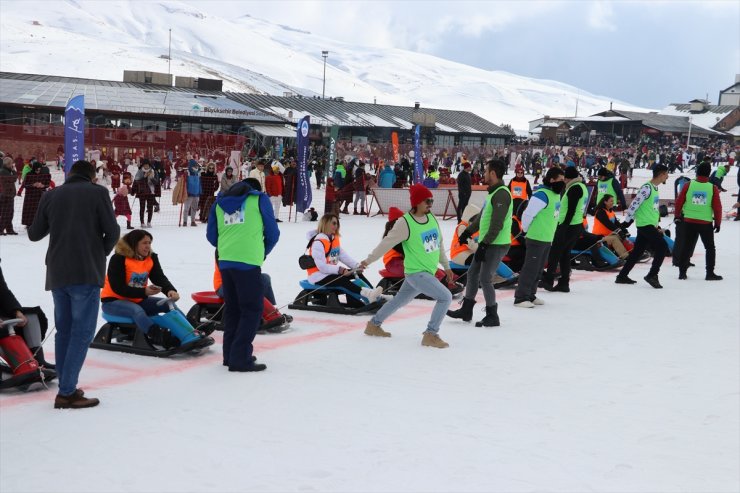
x=602 y=187
x=556 y=214
x=518 y=191
x=236 y=217
x=656 y=202
x=699 y=198
x=138 y=279
x=430 y=240
x=334 y=256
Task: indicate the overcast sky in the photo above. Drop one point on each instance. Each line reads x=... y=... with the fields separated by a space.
x=649 y=53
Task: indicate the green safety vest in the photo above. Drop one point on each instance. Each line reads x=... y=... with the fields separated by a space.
x=545 y=222
x=580 y=208
x=721 y=172
x=504 y=236
x=647 y=214
x=698 y=204
x=241 y=234
x=421 y=249
x=603 y=188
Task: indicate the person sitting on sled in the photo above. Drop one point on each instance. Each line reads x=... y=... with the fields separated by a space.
x=133 y=280
x=327 y=253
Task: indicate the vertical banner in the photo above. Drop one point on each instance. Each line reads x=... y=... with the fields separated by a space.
x=333 y=135
x=394 y=142
x=418 y=164
x=303 y=192
x=74 y=131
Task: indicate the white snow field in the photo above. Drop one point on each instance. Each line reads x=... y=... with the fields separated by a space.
x=609 y=388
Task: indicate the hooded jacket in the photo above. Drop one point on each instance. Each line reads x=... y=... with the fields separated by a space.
x=118 y=287
x=193 y=180
x=229 y=202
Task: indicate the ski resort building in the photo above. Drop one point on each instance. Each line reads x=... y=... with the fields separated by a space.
x=146 y=115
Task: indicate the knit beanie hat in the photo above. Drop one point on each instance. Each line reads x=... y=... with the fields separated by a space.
x=418 y=194
x=394 y=213
x=571 y=172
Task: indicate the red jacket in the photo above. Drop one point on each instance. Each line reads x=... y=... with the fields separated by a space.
x=274 y=185
x=716 y=204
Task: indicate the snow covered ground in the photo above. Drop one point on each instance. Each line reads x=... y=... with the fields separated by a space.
x=609 y=388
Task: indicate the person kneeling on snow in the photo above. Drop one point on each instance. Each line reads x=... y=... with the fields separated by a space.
x=128 y=292
x=327 y=252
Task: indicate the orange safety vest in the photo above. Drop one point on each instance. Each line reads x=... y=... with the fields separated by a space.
x=390 y=255
x=137 y=276
x=331 y=251
x=518 y=190
x=514 y=240
x=599 y=228
x=217 y=281
x=456 y=247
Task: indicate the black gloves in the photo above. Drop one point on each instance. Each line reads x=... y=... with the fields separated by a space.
x=480 y=253
x=464 y=237
x=716 y=228
x=627 y=224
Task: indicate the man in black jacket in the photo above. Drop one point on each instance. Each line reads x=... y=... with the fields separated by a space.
x=82 y=229
x=464 y=189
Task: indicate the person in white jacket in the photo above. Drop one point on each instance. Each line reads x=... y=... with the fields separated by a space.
x=258 y=173
x=333 y=264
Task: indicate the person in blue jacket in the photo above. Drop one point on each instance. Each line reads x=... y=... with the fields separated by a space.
x=192 y=182
x=387 y=177
x=241 y=225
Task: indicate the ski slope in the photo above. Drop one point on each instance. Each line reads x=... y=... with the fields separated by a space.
x=609 y=388
x=253 y=55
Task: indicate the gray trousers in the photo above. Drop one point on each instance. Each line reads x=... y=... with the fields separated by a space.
x=190 y=208
x=529 y=277
x=483 y=273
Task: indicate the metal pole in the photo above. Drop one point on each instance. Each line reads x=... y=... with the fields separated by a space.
x=323 y=90
x=688 y=139
x=169 y=54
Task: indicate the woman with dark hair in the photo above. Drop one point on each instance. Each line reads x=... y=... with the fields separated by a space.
x=146 y=188
x=128 y=291
x=606 y=225
x=209 y=186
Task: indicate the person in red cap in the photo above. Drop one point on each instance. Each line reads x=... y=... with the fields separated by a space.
x=421 y=237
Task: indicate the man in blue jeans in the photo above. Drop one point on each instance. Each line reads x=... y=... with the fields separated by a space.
x=78 y=217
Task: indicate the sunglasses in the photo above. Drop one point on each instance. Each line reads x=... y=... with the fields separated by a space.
x=334 y=223
x=429 y=201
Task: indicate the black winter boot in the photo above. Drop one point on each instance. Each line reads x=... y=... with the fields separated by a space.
x=491 y=318
x=465 y=313
x=711 y=276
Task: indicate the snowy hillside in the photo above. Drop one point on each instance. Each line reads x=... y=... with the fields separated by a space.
x=252 y=55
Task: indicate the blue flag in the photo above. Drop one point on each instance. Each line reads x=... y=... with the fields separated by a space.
x=303 y=186
x=74 y=132
x=418 y=164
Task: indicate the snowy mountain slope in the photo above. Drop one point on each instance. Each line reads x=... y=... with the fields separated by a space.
x=253 y=55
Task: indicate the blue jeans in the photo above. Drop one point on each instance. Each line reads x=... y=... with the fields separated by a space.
x=243 y=304
x=413 y=284
x=139 y=312
x=75 y=315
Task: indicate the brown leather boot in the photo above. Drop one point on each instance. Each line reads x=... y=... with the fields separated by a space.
x=433 y=340
x=375 y=330
x=75 y=401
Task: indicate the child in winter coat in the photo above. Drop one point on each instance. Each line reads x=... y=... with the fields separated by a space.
x=121 y=206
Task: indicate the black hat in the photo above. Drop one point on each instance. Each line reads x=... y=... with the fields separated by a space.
x=571 y=172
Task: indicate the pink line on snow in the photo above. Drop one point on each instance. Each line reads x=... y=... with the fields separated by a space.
x=181 y=364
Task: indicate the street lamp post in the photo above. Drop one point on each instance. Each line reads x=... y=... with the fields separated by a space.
x=324 y=54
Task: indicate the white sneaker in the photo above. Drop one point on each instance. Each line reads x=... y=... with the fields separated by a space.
x=148 y=225
x=524 y=304
x=538 y=302
x=386 y=297
x=371 y=294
